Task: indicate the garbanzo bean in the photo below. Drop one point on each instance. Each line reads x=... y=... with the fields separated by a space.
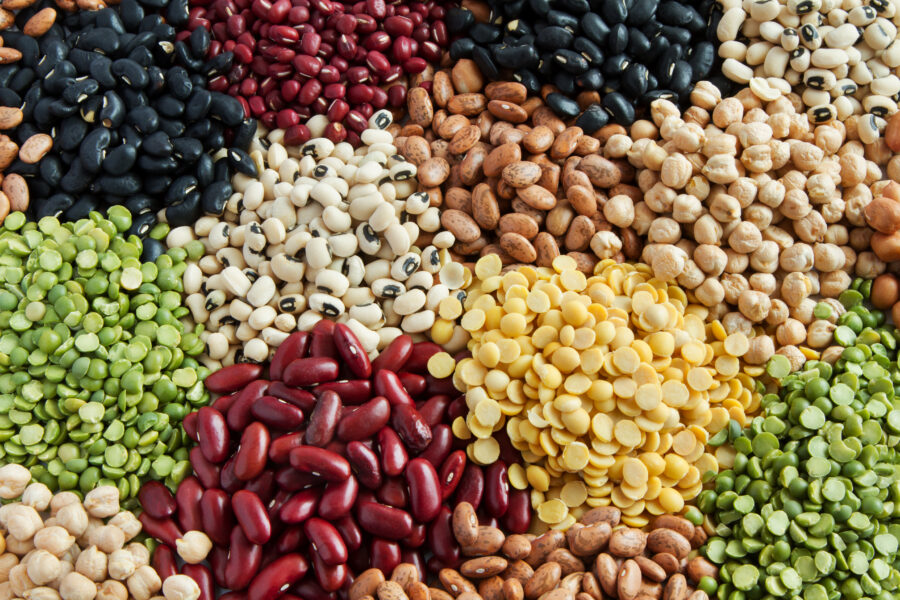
x=609 y=385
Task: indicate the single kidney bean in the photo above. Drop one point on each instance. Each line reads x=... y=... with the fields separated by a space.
x=330 y=577
x=204 y=578
x=440 y=446
x=351 y=391
x=263 y=486
x=412 y=383
x=277 y=576
x=232 y=378
x=218 y=520
x=280 y=448
x=424 y=490
x=451 y=473
x=189 y=422
x=213 y=433
x=323 y=340
x=300 y=506
x=223 y=403
x=496 y=490
x=310 y=371
x=244 y=560
x=348 y=346
x=276 y=413
x=250 y=458
x=238 y=416
x=228 y=481
x=251 y=516
x=365 y=464
x=350 y=533
x=164 y=561
x=387 y=384
x=434 y=410
x=187 y=499
x=164 y=530
x=320 y=462
x=438 y=386
x=292 y=480
x=363 y=422
x=206 y=472
x=384 y=521
x=384 y=555
x=393 y=492
x=157 y=500
x=309 y=589
x=418 y=359
x=218 y=560
x=410 y=426
x=326 y=541
x=300 y=398
x=392 y=452
x=324 y=419
x=338 y=498
x=471 y=487
x=518 y=516
x=293 y=347
x=290 y=540
x=440 y=538
x=417 y=537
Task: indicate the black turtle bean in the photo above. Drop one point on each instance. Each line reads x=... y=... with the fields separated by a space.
x=119 y=160
x=93 y=149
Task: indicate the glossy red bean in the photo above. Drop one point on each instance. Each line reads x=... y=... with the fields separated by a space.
x=217 y=517
x=250 y=457
x=280 y=448
x=232 y=378
x=263 y=486
x=251 y=516
x=397 y=96
x=338 y=498
x=297 y=135
x=440 y=537
x=378 y=62
x=384 y=554
x=434 y=410
x=302 y=399
x=223 y=403
x=358 y=75
x=414 y=64
x=218 y=561
x=165 y=530
x=213 y=433
x=360 y=93
x=204 y=578
x=496 y=490
x=417 y=537
x=206 y=472
x=351 y=391
x=326 y=541
x=424 y=490
x=351 y=351
x=397 y=26
x=440 y=446
x=308 y=94
x=413 y=384
x=300 y=506
x=356 y=121
x=451 y=473
x=418 y=360
x=377 y=41
x=337 y=110
x=277 y=576
x=164 y=562
x=290 y=479
x=320 y=462
x=157 y=500
x=518 y=517
x=387 y=384
x=401 y=49
x=393 y=492
x=244 y=560
x=190 y=425
x=471 y=487
x=364 y=421
x=324 y=419
x=310 y=371
x=365 y=464
x=277 y=413
x=238 y=417
x=410 y=426
x=392 y=452
x=350 y=533
x=291 y=539
x=187 y=499
x=384 y=521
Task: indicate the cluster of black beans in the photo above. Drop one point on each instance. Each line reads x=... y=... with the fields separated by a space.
x=629 y=51
x=129 y=113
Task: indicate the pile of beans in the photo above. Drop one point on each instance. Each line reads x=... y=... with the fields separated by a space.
x=341 y=59
x=610 y=386
x=97 y=368
x=811 y=505
x=596 y=559
x=325 y=232
x=332 y=465
x=608 y=59
x=838 y=56
x=113 y=110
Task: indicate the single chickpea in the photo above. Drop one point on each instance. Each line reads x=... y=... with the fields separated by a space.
x=735 y=322
x=144 y=583
x=832 y=284
x=40 y=593
x=618 y=145
x=19 y=580
x=7 y=562
x=811 y=228
x=53 y=539
x=761 y=349
x=38 y=496
x=102 y=501
x=828 y=257
x=92 y=563
x=108 y=538
x=869 y=266
x=791 y=331
x=43 y=567
x=721 y=168
x=745 y=238
x=112 y=590
x=857 y=198
x=691 y=276
x=734 y=284
x=668 y=263
x=726 y=112
x=724 y=207
x=707 y=230
x=22 y=522
x=643 y=217
x=73 y=518
x=820 y=333
x=139 y=553
x=795 y=287
x=121 y=565
x=606 y=244
x=686 y=208
x=833 y=210
x=6 y=592
x=128 y=523
x=763 y=282
x=706 y=95
x=76 y=586
x=619 y=210
x=799 y=257
x=754 y=305
x=803 y=311
x=660 y=198
x=664 y=230
x=13 y=480
x=93 y=524
x=736 y=263
x=193 y=547
x=19 y=547
x=180 y=587
x=710 y=292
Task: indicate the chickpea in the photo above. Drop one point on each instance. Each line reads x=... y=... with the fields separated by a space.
x=745 y=238
x=711 y=259
x=660 y=198
x=37 y=496
x=19 y=548
x=22 y=522
x=735 y=322
x=710 y=292
x=734 y=284
x=619 y=210
x=643 y=217
x=139 y=553
x=112 y=590
x=791 y=331
x=102 y=501
x=13 y=480
x=53 y=539
x=108 y=538
x=73 y=518
x=803 y=311
x=180 y=587
x=19 y=580
x=869 y=266
x=763 y=282
x=41 y=593
x=820 y=333
x=92 y=563
x=76 y=586
x=811 y=228
x=795 y=288
x=737 y=263
x=707 y=230
x=691 y=276
x=761 y=349
x=127 y=522
x=121 y=564
x=43 y=567
x=144 y=583
x=664 y=230
x=668 y=263
x=779 y=312
x=7 y=562
x=832 y=354
x=686 y=208
x=61 y=499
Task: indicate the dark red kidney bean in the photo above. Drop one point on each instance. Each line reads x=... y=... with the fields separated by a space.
x=232 y=378
x=350 y=533
x=351 y=391
x=165 y=530
x=263 y=486
x=347 y=344
x=471 y=486
x=410 y=426
x=157 y=500
x=330 y=577
x=302 y=399
x=280 y=448
x=223 y=403
x=384 y=521
x=204 y=578
x=309 y=589
x=228 y=481
x=365 y=464
x=326 y=541
x=238 y=416
x=393 y=454
x=206 y=472
x=218 y=520
x=218 y=560
x=337 y=446
x=518 y=517
x=251 y=516
x=338 y=498
x=384 y=555
x=190 y=425
x=323 y=332
x=213 y=433
x=236 y=595
x=496 y=490
x=164 y=561
x=273 y=507
x=244 y=560
x=440 y=446
x=250 y=457
x=440 y=537
x=293 y=347
x=387 y=384
x=418 y=359
x=290 y=540
x=291 y=479
x=321 y=462
x=457 y=408
x=324 y=419
x=310 y=371
x=417 y=537
x=187 y=499
x=451 y=473
x=414 y=384
x=277 y=576
x=276 y=413
x=439 y=386
x=300 y=506
x=363 y=422
x=424 y=490
x=393 y=492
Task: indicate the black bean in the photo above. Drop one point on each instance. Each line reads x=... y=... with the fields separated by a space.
x=529 y=80
x=677 y=35
x=70 y=133
x=619 y=108
x=562 y=19
x=649 y=97
x=6 y=73
x=618 y=39
x=673 y=13
x=51 y=170
x=185 y=212
x=638 y=43
x=220 y=170
x=614 y=11
x=658 y=47
x=562 y=105
x=485 y=63
x=241 y=162
x=590 y=51
x=681 y=77
x=59 y=108
x=570 y=61
x=101 y=40
x=641 y=11
x=219 y=65
x=459 y=20
x=54 y=206
x=484 y=33
x=595 y=28
x=169 y=106
x=119 y=160
x=80 y=91
x=30 y=49
x=540 y=7
x=575 y=7
x=119 y=185
x=592 y=119
x=9 y=97
x=76 y=178
x=109 y=19
x=214 y=197
x=199 y=129
x=461 y=48
x=144 y=119
x=129 y=71
x=701 y=59
x=93 y=149
x=83 y=207
x=200 y=41
x=591 y=80
x=564 y=82
x=554 y=37
x=159 y=184
x=518 y=29
x=139 y=204
x=226 y=109
x=615 y=65
x=198 y=104
x=635 y=80
x=141 y=225
x=179 y=83
x=23 y=78
x=516 y=57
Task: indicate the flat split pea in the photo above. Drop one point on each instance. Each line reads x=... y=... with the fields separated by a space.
x=610 y=386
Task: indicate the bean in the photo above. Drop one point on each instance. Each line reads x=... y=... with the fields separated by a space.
x=320 y=462
x=213 y=434
x=326 y=541
x=324 y=419
x=250 y=458
x=157 y=500
x=272 y=579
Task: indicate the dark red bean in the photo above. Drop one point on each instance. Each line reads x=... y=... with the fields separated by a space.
x=320 y=462
x=384 y=555
x=295 y=345
x=496 y=490
x=190 y=425
x=213 y=433
x=324 y=419
x=250 y=457
x=263 y=486
x=392 y=452
x=290 y=479
x=164 y=561
x=351 y=391
x=244 y=560
x=326 y=541
x=157 y=500
x=302 y=399
x=387 y=384
x=471 y=487
x=238 y=416
x=217 y=517
x=251 y=516
x=397 y=26
x=451 y=473
x=384 y=521
x=394 y=356
x=310 y=371
x=204 y=578
x=300 y=506
x=280 y=448
x=277 y=576
x=276 y=413
x=410 y=426
x=206 y=472
x=440 y=537
x=365 y=464
x=424 y=490
x=291 y=539
x=232 y=378
x=441 y=445
x=393 y=492
x=350 y=533
x=378 y=62
x=351 y=351
x=338 y=498
x=364 y=421
x=323 y=340
x=187 y=499
x=223 y=403
x=165 y=530
x=518 y=517
x=413 y=384
x=417 y=537
x=418 y=360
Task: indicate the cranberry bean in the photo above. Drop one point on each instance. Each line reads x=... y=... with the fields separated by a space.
x=440 y=538
x=244 y=560
x=206 y=472
x=393 y=454
x=187 y=499
x=496 y=490
x=424 y=490
x=363 y=422
x=471 y=486
x=365 y=464
x=251 y=516
x=351 y=391
x=157 y=500
x=387 y=384
x=326 y=541
x=217 y=517
x=277 y=576
x=324 y=419
x=451 y=473
x=204 y=578
x=213 y=433
x=518 y=517
x=393 y=492
x=164 y=530
x=300 y=506
x=350 y=533
x=291 y=539
x=232 y=378
x=238 y=417
x=276 y=413
x=410 y=426
x=384 y=555
x=310 y=371
x=164 y=561
x=338 y=498
x=300 y=398
x=295 y=346
x=320 y=462
x=250 y=458
x=384 y=521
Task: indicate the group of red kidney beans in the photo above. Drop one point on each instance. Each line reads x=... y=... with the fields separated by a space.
x=297 y=58
x=332 y=465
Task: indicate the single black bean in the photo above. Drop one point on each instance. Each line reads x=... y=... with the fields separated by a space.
x=512 y=57
x=51 y=170
x=59 y=108
x=129 y=71
x=635 y=80
x=554 y=37
x=157 y=144
x=615 y=65
x=200 y=39
x=119 y=160
x=83 y=207
x=220 y=65
x=93 y=150
x=54 y=206
x=70 y=133
x=677 y=35
x=30 y=49
x=226 y=109
x=459 y=20
x=241 y=162
x=570 y=61
x=221 y=170
x=614 y=11
x=618 y=39
x=112 y=111
x=144 y=119
x=638 y=43
x=681 y=77
x=461 y=48
x=575 y=7
x=187 y=149
x=156 y=164
x=591 y=80
x=177 y=12
x=595 y=28
x=702 y=57
x=169 y=106
x=641 y=11
x=562 y=105
x=22 y=79
x=200 y=129
x=590 y=51
x=110 y=19
x=9 y=97
x=214 y=197
x=592 y=119
x=518 y=29
x=485 y=63
x=80 y=91
x=76 y=179
x=141 y=225
x=119 y=185
x=178 y=82
x=139 y=204
x=185 y=212
x=173 y=127
x=619 y=108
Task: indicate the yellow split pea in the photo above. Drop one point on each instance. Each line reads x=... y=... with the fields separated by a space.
x=609 y=386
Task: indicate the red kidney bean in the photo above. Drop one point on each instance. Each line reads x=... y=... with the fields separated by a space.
x=300 y=398
x=293 y=347
x=350 y=533
x=223 y=403
x=363 y=422
x=292 y=480
x=206 y=472
x=351 y=391
x=280 y=448
x=384 y=521
x=440 y=538
x=326 y=541
x=440 y=446
x=417 y=537
x=310 y=371
x=421 y=352
x=228 y=481
x=320 y=462
x=263 y=486
x=250 y=458
x=365 y=464
x=190 y=425
x=349 y=348
x=218 y=560
x=232 y=378
x=157 y=500
x=471 y=486
x=323 y=339
x=164 y=561
x=187 y=499
x=393 y=454
x=300 y=506
x=393 y=492
x=384 y=555
x=330 y=577
x=276 y=413
x=413 y=384
x=387 y=384
x=277 y=576
x=496 y=490
x=324 y=419
x=238 y=416
x=410 y=426
x=338 y=498
x=251 y=516
x=424 y=490
x=164 y=530
x=204 y=578
x=244 y=560
x=290 y=540
x=451 y=473
x=217 y=517
x=213 y=433
x=518 y=517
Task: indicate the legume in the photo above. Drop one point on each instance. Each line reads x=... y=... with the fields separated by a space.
x=97 y=369
x=608 y=386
